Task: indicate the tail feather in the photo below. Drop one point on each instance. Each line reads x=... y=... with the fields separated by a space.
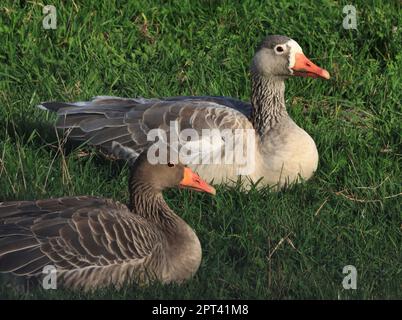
x=16 y=243
x=33 y=267
x=53 y=106
x=16 y=259
x=97 y=103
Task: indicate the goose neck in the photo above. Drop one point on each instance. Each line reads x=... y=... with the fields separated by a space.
x=268 y=101
x=150 y=204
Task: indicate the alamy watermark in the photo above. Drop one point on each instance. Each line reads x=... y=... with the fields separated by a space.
x=235 y=147
x=349 y=21
x=50 y=19
x=50 y=279
x=350 y=281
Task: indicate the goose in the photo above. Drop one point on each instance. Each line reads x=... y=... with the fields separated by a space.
x=281 y=152
x=95 y=242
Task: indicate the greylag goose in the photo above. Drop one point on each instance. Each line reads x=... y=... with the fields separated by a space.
x=94 y=242
x=281 y=151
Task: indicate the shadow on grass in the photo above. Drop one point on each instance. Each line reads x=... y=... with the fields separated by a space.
x=42 y=134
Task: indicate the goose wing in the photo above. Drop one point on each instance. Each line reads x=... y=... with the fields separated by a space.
x=72 y=233
x=105 y=120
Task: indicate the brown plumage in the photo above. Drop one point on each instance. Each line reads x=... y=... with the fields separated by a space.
x=95 y=242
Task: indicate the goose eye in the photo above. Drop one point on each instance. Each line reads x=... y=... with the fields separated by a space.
x=279 y=49
x=171 y=165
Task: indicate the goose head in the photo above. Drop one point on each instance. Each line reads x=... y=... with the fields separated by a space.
x=170 y=175
x=282 y=57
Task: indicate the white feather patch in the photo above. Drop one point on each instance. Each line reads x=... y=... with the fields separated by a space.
x=294 y=48
x=124 y=153
x=42 y=107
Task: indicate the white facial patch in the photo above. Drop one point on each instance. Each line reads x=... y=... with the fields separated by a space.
x=293 y=49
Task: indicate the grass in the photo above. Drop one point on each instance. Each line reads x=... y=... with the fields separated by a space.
x=262 y=245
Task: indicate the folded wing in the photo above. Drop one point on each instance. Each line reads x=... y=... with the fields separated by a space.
x=105 y=120
x=73 y=234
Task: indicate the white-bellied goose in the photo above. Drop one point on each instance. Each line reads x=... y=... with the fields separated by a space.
x=95 y=242
x=283 y=151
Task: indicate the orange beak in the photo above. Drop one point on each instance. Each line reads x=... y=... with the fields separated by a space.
x=193 y=181
x=305 y=68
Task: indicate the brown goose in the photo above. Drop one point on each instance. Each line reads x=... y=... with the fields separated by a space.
x=95 y=242
x=282 y=151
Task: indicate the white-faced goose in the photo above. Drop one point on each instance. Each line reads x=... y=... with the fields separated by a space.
x=283 y=151
x=95 y=242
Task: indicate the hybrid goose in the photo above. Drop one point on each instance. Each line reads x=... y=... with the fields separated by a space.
x=281 y=152
x=95 y=242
